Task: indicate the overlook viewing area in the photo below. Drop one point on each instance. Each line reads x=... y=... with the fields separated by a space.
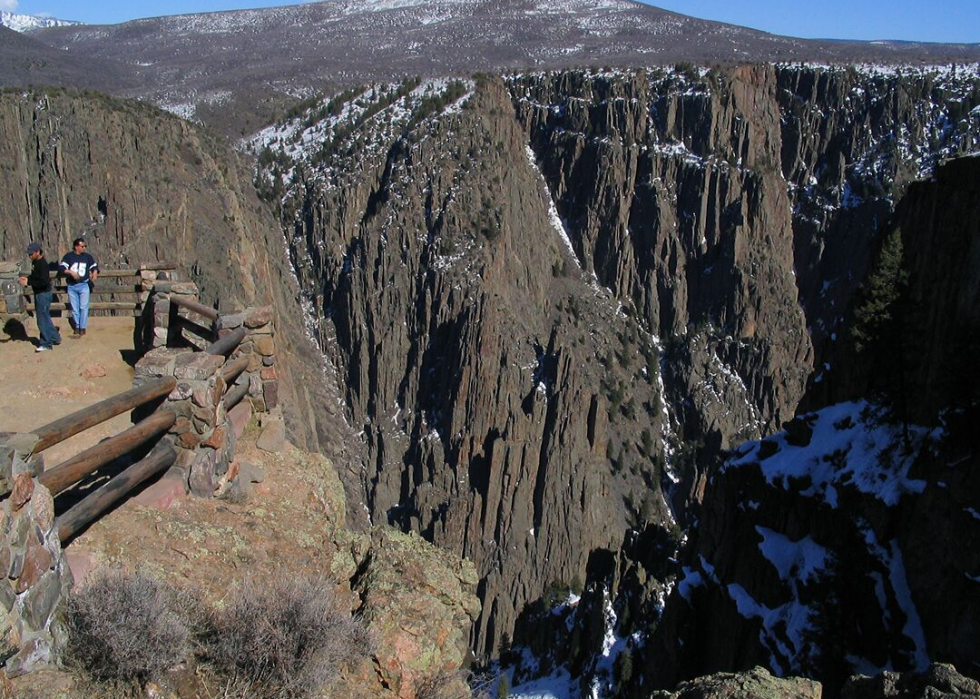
x=161 y=384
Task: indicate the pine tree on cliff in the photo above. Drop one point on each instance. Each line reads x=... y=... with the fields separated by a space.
x=879 y=324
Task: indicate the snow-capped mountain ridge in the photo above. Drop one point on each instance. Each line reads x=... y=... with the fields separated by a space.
x=26 y=23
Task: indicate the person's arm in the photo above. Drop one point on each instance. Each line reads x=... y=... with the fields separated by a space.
x=93 y=273
x=66 y=270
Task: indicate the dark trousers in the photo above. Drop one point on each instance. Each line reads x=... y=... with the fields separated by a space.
x=42 y=314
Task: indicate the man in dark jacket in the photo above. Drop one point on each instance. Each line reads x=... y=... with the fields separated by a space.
x=40 y=281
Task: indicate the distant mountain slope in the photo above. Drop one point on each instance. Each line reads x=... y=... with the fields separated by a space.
x=26 y=61
x=207 y=59
x=26 y=23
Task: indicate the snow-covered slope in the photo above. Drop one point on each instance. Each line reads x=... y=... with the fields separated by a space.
x=26 y=23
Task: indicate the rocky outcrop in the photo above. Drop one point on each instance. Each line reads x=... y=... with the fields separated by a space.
x=754 y=684
x=938 y=681
x=143 y=186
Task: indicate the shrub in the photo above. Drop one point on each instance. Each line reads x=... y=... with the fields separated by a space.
x=446 y=684
x=286 y=641
x=123 y=629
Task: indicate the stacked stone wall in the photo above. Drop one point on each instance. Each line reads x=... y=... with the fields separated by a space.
x=13 y=309
x=204 y=432
x=34 y=577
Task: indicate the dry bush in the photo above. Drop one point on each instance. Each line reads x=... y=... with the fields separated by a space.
x=287 y=641
x=123 y=628
x=445 y=684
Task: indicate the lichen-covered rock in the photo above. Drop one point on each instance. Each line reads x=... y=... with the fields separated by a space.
x=419 y=601
x=938 y=682
x=757 y=683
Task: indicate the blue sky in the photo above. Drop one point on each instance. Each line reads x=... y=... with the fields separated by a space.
x=917 y=20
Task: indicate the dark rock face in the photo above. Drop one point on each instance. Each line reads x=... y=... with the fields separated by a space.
x=481 y=364
x=675 y=201
x=885 y=522
x=509 y=410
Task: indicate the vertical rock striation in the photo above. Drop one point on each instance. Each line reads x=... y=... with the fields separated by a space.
x=547 y=297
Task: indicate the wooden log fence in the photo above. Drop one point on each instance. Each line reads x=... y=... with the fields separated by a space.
x=67 y=473
x=164 y=453
x=234 y=394
x=232 y=368
x=93 y=506
x=194 y=307
x=196 y=328
x=227 y=344
x=97 y=306
x=111 y=290
x=81 y=420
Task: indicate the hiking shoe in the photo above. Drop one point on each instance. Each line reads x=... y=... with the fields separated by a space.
x=81 y=332
x=42 y=348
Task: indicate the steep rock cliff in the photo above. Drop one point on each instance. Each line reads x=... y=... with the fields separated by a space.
x=546 y=299
x=482 y=365
x=848 y=543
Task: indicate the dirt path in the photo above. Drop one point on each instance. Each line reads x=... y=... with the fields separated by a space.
x=36 y=388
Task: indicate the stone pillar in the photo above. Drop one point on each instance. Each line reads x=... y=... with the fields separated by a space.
x=205 y=443
x=13 y=309
x=35 y=577
x=260 y=343
x=204 y=435
x=158 y=326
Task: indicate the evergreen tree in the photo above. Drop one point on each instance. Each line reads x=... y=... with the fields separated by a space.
x=880 y=323
x=875 y=317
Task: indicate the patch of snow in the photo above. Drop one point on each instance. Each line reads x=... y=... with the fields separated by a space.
x=25 y=23
x=891 y=559
x=850 y=447
x=802 y=560
x=692 y=580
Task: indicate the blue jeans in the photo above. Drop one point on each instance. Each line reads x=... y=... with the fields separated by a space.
x=78 y=296
x=42 y=314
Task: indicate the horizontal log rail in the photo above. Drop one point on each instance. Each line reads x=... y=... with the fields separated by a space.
x=227 y=344
x=232 y=368
x=97 y=306
x=235 y=394
x=79 y=421
x=194 y=307
x=196 y=328
x=69 y=472
x=152 y=267
x=93 y=506
x=99 y=289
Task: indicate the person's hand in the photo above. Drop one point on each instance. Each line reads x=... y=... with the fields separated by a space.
x=22 y=280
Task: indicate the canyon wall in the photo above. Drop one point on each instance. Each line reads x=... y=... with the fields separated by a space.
x=554 y=301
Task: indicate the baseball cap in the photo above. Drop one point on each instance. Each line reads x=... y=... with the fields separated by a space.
x=33 y=248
